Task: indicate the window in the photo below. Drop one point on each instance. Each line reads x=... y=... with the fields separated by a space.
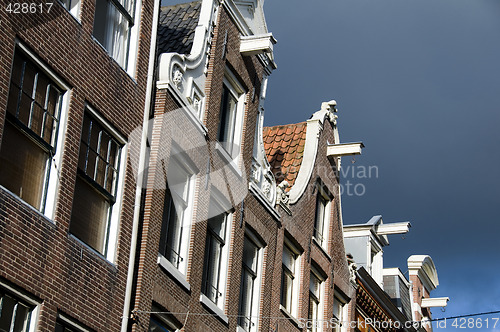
x=73 y=6
x=177 y=214
x=28 y=155
x=113 y=21
x=216 y=240
x=231 y=116
x=163 y=322
x=15 y=314
x=315 y=306
x=338 y=314
x=250 y=283
x=216 y=255
x=290 y=278
x=321 y=222
x=95 y=198
x=66 y=324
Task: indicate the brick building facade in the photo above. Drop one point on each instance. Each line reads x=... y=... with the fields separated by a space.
x=219 y=222
x=72 y=89
x=139 y=190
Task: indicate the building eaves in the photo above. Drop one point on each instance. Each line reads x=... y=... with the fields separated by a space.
x=284 y=146
x=176 y=28
x=381 y=298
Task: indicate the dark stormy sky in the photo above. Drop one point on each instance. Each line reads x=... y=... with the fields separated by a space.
x=418 y=81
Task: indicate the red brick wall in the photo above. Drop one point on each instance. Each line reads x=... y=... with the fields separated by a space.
x=38 y=255
x=300 y=226
x=153 y=283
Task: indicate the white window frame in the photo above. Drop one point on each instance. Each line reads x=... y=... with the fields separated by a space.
x=72 y=6
x=255 y=298
x=319 y=324
x=21 y=296
x=294 y=298
x=322 y=197
x=71 y=323
x=111 y=235
x=180 y=160
x=238 y=93
x=127 y=60
x=164 y=318
x=219 y=202
x=49 y=196
x=341 y=304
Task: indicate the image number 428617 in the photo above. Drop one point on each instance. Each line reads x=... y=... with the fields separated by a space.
x=28 y=8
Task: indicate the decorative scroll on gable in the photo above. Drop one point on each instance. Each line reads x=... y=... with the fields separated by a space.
x=185 y=74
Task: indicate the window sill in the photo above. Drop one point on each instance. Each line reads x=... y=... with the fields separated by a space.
x=227 y=158
x=323 y=250
x=289 y=316
x=114 y=60
x=214 y=308
x=240 y=329
x=27 y=205
x=93 y=251
x=173 y=272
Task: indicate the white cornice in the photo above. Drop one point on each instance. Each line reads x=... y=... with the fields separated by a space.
x=435 y=302
x=257 y=44
x=344 y=149
x=423 y=267
x=393 y=228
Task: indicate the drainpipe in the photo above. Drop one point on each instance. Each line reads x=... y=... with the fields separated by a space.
x=141 y=167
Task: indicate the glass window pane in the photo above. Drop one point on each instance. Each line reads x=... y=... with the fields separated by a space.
x=247 y=284
x=89 y=215
x=22 y=165
x=217 y=224
x=289 y=259
x=157 y=326
x=21 y=320
x=7 y=312
x=178 y=180
x=250 y=251
x=213 y=269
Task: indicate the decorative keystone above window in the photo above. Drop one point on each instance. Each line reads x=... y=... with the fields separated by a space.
x=257 y=44
x=344 y=149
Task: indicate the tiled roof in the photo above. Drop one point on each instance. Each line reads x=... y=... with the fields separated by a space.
x=176 y=27
x=284 y=147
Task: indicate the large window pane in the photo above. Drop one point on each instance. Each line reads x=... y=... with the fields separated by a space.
x=15 y=315
x=112 y=23
x=29 y=134
x=95 y=189
x=248 y=280
x=23 y=165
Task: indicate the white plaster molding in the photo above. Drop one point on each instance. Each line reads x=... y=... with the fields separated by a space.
x=251 y=22
x=393 y=228
x=257 y=44
x=185 y=75
x=258 y=194
x=344 y=149
x=173 y=271
x=214 y=308
x=435 y=302
x=313 y=131
x=423 y=267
